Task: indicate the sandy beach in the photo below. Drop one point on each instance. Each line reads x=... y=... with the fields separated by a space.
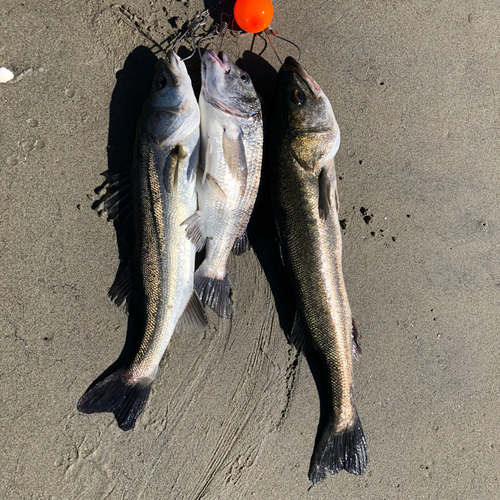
x=234 y=411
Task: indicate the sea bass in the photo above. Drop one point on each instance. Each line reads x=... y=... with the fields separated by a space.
x=231 y=157
x=305 y=138
x=166 y=156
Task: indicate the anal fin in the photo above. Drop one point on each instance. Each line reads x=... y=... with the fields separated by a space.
x=241 y=244
x=121 y=289
x=193 y=315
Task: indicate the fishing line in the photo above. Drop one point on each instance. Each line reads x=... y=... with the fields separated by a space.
x=269 y=31
x=250 y=16
x=223 y=27
x=199 y=21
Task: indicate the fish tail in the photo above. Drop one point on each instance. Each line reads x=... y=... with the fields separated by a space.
x=213 y=292
x=120 y=394
x=337 y=450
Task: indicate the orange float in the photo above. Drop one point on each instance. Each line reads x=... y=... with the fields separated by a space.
x=253 y=16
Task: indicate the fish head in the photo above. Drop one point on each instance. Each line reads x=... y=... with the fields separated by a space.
x=312 y=131
x=171 y=113
x=227 y=87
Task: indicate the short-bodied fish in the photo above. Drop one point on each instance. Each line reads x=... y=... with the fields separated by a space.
x=231 y=158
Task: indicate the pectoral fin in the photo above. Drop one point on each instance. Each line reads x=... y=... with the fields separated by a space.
x=324 y=199
x=328 y=194
x=171 y=167
x=205 y=160
x=234 y=154
x=205 y=181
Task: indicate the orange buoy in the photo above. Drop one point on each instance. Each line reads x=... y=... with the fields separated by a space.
x=253 y=16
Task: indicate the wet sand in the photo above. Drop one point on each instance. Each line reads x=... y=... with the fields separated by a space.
x=234 y=411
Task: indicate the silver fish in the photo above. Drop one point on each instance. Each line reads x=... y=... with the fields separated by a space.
x=305 y=138
x=231 y=157
x=164 y=195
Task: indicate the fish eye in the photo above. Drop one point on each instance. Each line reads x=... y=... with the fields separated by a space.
x=160 y=82
x=244 y=78
x=298 y=97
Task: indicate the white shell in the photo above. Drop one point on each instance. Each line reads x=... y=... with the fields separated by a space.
x=5 y=75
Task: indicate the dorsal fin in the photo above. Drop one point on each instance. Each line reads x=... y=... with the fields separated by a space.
x=115 y=199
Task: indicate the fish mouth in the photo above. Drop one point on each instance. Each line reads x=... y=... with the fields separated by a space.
x=223 y=60
x=292 y=64
x=172 y=66
x=209 y=86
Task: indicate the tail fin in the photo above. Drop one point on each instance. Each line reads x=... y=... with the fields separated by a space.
x=339 y=450
x=117 y=394
x=213 y=292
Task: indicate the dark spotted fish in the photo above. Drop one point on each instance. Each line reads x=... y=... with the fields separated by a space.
x=304 y=140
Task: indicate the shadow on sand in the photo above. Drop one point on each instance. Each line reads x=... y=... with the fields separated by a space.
x=132 y=87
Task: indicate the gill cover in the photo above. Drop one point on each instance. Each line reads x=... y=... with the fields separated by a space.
x=171 y=112
x=313 y=133
x=227 y=87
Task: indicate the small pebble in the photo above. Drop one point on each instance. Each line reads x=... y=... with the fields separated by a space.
x=27 y=145
x=5 y=75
